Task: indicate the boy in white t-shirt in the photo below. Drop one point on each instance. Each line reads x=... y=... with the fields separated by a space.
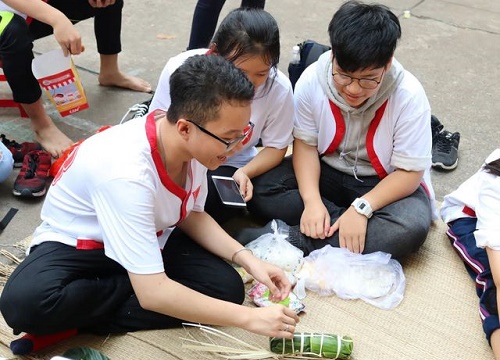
x=362 y=148
x=250 y=38
x=100 y=261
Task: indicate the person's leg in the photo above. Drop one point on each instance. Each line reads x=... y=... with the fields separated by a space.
x=46 y=132
x=107 y=29
x=189 y=264
x=253 y=3
x=58 y=287
x=461 y=235
x=111 y=75
x=213 y=205
x=16 y=44
x=276 y=195
x=58 y=290
x=399 y=228
x=205 y=17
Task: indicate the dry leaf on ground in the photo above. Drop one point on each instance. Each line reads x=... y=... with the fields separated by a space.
x=165 y=36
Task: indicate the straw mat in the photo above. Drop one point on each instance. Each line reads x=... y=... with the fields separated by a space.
x=438 y=319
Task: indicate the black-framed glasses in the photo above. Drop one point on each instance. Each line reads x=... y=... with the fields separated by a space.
x=230 y=145
x=344 y=80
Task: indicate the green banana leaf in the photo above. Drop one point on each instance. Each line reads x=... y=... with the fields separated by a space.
x=313 y=345
x=85 y=353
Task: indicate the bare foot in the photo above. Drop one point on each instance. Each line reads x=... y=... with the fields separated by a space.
x=125 y=81
x=52 y=140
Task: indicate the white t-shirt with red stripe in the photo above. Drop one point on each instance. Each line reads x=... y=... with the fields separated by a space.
x=399 y=138
x=114 y=189
x=272 y=110
x=478 y=196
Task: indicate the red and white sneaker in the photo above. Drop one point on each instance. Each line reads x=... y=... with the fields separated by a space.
x=33 y=176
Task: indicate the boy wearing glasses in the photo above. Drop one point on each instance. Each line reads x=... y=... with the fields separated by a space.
x=359 y=174
x=100 y=261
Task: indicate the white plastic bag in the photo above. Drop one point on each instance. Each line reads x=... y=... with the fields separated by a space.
x=275 y=249
x=374 y=278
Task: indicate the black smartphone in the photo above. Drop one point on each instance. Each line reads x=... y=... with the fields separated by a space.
x=229 y=191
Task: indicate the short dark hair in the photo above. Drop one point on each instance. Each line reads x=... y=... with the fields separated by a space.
x=493 y=167
x=248 y=31
x=363 y=36
x=200 y=86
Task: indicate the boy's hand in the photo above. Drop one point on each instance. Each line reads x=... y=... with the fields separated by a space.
x=270 y=275
x=245 y=184
x=68 y=37
x=352 y=230
x=315 y=221
x=273 y=321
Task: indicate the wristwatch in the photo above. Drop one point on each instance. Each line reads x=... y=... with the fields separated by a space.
x=363 y=207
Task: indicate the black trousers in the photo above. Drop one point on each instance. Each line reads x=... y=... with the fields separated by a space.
x=16 y=42
x=58 y=287
x=205 y=18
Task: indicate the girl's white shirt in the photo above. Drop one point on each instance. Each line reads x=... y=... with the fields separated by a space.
x=480 y=193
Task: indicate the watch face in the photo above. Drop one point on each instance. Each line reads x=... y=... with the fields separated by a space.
x=362 y=207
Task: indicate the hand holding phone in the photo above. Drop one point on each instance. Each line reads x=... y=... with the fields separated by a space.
x=228 y=190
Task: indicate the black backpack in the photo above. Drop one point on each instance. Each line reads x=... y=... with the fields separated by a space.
x=310 y=51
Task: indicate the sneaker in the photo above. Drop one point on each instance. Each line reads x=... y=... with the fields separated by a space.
x=19 y=150
x=142 y=108
x=445 y=150
x=32 y=179
x=436 y=128
x=139 y=110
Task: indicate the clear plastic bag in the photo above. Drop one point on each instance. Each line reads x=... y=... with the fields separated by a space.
x=275 y=249
x=374 y=278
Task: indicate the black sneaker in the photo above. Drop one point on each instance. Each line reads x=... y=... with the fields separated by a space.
x=436 y=128
x=139 y=110
x=142 y=108
x=445 y=150
x=19 y=150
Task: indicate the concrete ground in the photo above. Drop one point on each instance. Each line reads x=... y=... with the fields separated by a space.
x=451 y=46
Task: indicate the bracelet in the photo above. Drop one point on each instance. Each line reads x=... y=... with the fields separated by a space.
x=238 y=251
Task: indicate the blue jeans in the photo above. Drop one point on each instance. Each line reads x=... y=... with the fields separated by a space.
x=399 y=228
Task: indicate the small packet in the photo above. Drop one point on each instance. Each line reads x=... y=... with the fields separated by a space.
x=260 y=296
